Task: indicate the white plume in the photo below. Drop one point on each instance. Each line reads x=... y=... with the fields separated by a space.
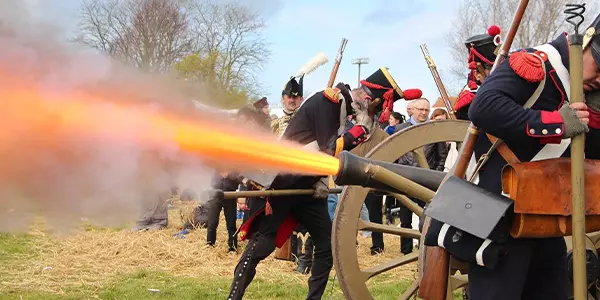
x=311 y=65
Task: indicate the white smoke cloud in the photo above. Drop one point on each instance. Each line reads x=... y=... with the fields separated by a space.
x=63 y=173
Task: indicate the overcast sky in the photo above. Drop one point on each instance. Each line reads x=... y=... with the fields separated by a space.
x=387 y=32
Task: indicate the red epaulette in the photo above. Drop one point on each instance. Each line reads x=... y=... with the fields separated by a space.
x=528 y=65
x=464 y=98
x=333 y=94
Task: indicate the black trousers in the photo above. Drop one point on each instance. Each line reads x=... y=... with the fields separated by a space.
x=313 y=215
x=374 y=206
x=406 y=221
x=532 y=269
x=229 y=207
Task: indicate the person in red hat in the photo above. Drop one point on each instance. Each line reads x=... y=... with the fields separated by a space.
x=525 y=103
x=482 y=50
x=318 y=124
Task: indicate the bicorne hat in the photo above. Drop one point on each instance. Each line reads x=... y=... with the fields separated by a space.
x=292 y=87
x=381 y=85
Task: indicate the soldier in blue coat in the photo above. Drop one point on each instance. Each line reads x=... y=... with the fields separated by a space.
x=532 y=268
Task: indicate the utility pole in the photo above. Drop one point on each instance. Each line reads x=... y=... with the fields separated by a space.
x=360 y=61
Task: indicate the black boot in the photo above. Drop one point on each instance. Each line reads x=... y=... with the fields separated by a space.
x=244 y=271
x=306 y=259
x=294 y=245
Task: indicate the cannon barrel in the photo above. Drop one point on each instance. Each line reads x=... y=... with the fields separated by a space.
x=356 y=170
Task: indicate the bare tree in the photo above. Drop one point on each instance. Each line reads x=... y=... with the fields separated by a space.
x=230 y=35
x=151 y=34
x=542 y=22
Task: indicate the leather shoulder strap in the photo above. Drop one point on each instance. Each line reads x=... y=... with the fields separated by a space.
x=498 y=144
x=506 y=153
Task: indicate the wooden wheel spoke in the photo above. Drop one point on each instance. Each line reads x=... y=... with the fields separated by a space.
x=406 y=202
x=458 y=281
x=403 y=232
x=419 y=154
x=378 y=269
x=410 y=291
x=352 y=278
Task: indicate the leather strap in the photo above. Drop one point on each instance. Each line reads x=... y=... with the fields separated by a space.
x=498 y=144
x=506 y=153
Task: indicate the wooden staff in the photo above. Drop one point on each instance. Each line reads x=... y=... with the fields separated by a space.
x=434 y=282
x=577 y=158
x=274 y=193
x=438 y=82
x=338 y=60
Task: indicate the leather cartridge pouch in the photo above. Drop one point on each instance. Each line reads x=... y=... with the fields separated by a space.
x=541 y=191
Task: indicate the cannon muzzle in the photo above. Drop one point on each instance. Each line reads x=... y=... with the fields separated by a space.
x=354 y=171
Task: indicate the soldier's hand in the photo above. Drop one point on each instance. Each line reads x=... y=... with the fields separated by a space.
x=581 y=110
x=575 y=117
x=321 y=190
x=361 y=108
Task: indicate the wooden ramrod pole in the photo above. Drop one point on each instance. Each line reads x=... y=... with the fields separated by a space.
x=274 y=193
x=577 y=174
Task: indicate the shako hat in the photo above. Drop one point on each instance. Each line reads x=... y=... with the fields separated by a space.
x=591 y=39
x=292 y=87
x=381 y=85
x=483 y=48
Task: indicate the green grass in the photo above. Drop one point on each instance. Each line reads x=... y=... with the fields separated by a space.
x=17 y=250
x=15 y=246
x=135 y=286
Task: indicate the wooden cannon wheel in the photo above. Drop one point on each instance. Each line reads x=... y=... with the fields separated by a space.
x=346 y=222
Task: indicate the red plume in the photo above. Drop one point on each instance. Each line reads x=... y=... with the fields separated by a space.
x=494 y=30
x=412 y=94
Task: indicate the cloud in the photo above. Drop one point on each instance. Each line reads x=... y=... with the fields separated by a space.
x=394 y=44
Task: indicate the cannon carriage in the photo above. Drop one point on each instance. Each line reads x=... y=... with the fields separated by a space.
x=347 y=223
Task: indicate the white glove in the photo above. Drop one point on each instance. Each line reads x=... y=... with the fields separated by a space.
x=321 y=190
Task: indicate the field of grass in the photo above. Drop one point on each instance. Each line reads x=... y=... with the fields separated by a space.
x=102 y=263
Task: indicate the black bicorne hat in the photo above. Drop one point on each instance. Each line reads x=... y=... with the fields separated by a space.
x=293 y=88
x=592 y=39
x=382 y=86
x=483 y=48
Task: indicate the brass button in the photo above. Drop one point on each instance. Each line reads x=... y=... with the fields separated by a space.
x=544 y=131
x=558 y=131
x=532 y=131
